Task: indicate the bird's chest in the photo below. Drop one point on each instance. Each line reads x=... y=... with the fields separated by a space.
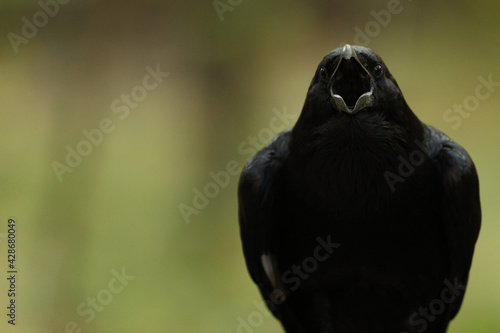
x=343 y=186
x=356 y=203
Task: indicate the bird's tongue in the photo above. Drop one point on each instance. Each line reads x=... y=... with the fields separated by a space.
x=351 y=86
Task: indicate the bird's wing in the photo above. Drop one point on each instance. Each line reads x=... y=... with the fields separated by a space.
x=259 y=194
x=461 y=206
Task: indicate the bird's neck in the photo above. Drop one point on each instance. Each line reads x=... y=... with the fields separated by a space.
x=350 y=158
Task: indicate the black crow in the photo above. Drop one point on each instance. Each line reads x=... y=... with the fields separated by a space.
x=360 y=218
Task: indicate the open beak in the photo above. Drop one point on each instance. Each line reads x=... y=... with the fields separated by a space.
x=351 y=86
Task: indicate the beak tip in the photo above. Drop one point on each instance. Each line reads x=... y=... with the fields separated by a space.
x=347 y=52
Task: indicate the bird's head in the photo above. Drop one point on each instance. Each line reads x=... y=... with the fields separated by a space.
x=352 y=85
x=354 y=79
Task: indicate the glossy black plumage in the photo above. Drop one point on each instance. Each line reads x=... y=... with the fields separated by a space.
x=360 y=217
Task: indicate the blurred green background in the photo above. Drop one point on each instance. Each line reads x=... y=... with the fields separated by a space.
x=120 y=207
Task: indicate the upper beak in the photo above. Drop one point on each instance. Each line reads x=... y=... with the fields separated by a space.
x=351 y=86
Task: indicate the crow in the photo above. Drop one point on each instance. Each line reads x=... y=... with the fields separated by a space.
x=360 y=218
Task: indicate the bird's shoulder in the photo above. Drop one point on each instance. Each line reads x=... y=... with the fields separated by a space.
x=452 y=159
x=259 y=170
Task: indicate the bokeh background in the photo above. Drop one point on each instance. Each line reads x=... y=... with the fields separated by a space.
x=230 y=71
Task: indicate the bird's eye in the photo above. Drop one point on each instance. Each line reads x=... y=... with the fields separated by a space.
x=323 y=74
x=378 y=70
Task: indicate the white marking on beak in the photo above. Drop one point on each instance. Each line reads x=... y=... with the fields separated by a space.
x=364 y=101
x=347 y=51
